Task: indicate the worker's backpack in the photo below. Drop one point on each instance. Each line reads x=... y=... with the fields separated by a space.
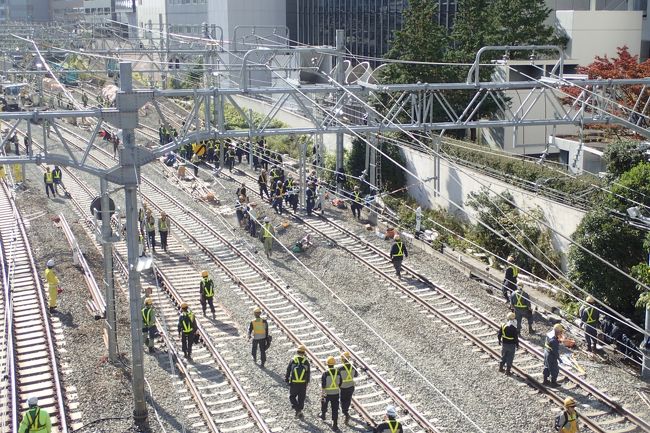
x=561 y=420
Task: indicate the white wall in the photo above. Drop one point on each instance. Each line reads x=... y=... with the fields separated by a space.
x=457 y=183
x=596 y=33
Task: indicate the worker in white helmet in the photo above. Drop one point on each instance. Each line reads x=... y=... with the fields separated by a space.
x=35 y=419
x=390 y=424
x=590 y=316
x=52 y=283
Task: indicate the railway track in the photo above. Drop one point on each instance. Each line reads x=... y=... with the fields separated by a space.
x=217 y=392
x=289 y=313
x=605 y=415
x=33 y=366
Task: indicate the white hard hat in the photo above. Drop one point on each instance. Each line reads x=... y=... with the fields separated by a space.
x=50 y=263
x=391 y=411
x=32 y=401
x=266 y=219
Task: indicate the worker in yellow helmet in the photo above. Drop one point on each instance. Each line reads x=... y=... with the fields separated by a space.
x=206 y=287
x=348 y=372
x=149 y=324
x=297 y=376
x=567 y=421
x=259 y=330
x=330 y=391
x=187 y=329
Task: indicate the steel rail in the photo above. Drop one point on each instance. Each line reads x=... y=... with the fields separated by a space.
x=485 y=319
x=42 y=309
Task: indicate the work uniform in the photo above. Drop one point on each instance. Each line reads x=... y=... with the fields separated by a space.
x=163 y=229
x=551 y=357
x=591 y=318
x=310 y=199
x=56 y=177
x=149 y=326
x=48 y=178
x=207 y=294
x=356 y=204
x=262 y=182
x=267 y=235
x=510 y=281
x=397 y=253
x=150 y=225
x=389 y=426
x=35 y=420
x=569 y=422
x=347 y=372
x=259 y=329
x=278 y=196
x=52 y=286
x=508 y=337
x=331 y=386
x=520 y=302
x=297 y=376
x=187 y=329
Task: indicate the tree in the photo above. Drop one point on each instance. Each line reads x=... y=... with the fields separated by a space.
x=420 y=40
x=621 y=156
x=356 y=161
x=473 y=29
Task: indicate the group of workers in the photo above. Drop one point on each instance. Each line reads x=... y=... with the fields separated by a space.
x=148 y=225
x=52 y=180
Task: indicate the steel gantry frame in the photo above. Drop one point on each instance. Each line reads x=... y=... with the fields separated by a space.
x=411 y=107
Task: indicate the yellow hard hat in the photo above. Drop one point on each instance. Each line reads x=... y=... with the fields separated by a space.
x=569 y=402
x=331 y=361
x=302 y=348
x=590 y=299
x=148 y=301
x=558 y=327
x=257 y=310
x=204 y=273
x=184 y=306
x=345 y=356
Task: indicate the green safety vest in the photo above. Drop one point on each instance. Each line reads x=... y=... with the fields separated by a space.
x=333 y=387
x=393 y=427
x=162 y=225
x=146 y=316
x=267 y=231
x=519 y=304
x=503 y=333
x=400 y=251
x=48 y=177
x=208 y=287
x=590 y=313
x=186 y=322
x=299 y=378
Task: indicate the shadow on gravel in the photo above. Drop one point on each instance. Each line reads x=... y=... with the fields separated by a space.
x=278 y=378
x=169 y=418
x=226 y=328
x=66 y=319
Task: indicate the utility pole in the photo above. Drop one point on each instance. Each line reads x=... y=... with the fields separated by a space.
x=128 y=161
x=107 y=247
x=372 y=169
x=645 y=369
x=163 y=47
x=303 y=173
x=340 y=78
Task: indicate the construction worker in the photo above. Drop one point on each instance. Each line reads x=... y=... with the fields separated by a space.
x=356 y=204
x=590 y=316
x=84 y=99
x=186 y=329
x=35 y=419
x=310 y=197
x=259 y=330
x=552 y=355
x=52 y=283
x=390 y=424
x=508 y=337
x=330 y=391
x=206 y=286
x=267 y=235
x=150 y=226
x=348 y=372
x=278 y=197
x=567 y=421
x=297 y=376
x=397 y=253
x=163 y=229
x=56 y=177
x=262 y=182
x=521 y=304
x=510 y=279
x=149 y=324
x=48 y=178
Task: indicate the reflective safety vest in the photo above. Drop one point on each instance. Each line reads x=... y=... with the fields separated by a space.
x=331 y=385
x=348 y=378
x=296 y=377
x=357 y=197
x=186 y=322
x=519 y=303
x=56 y=174
x=571 y=425
x=35 y=421
x=163 y=225
x=515 y=271
x=146 y=316
x=400 y=249
x=51 y=278
x=151 y=224
x=259 y=329
x=393 y=427
x=207 y=287
x=267 y=231
x=48 y=177
x=503 y=333
x=590 y=314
